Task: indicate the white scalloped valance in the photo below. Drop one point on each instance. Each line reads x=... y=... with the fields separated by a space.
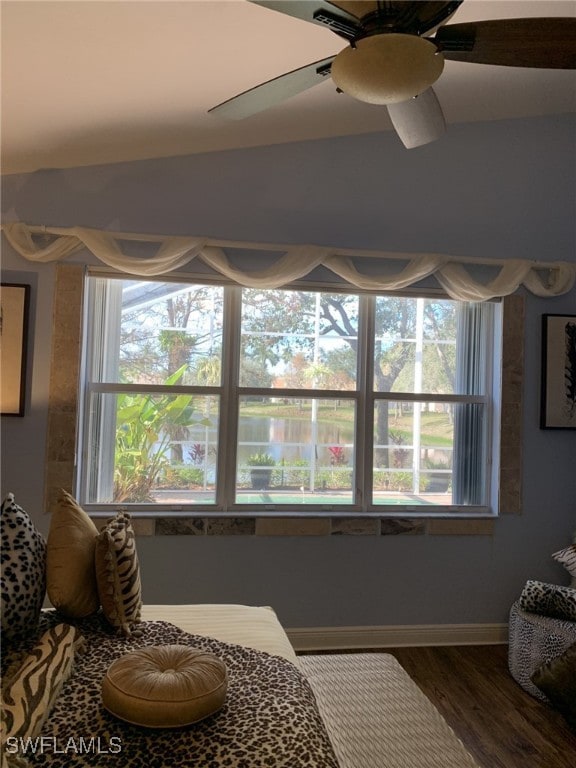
x=295 y=261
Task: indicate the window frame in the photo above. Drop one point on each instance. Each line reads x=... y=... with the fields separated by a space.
x=230 y=392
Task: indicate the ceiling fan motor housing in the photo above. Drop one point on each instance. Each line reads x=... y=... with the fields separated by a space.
x=387 y=68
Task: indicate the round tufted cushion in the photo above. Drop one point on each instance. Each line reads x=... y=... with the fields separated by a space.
x=165 y=686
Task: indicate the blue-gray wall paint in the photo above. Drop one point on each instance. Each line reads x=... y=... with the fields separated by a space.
x=500 y=189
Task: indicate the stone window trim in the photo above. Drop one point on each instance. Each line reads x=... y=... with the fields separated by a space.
x=166 y=525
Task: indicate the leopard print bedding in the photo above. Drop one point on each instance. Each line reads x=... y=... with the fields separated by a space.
x=269 y=720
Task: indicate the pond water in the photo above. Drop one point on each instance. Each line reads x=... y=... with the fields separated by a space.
x=289 y=439
x=304 y=464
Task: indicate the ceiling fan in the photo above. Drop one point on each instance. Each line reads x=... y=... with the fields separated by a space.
x=395 y=52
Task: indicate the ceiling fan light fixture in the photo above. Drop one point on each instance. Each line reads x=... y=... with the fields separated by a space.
x=387 y=68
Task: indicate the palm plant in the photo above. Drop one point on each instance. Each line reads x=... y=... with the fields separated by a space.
x=144 y=424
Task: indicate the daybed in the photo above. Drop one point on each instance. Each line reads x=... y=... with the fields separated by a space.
x=269 y=708
x=375 y=715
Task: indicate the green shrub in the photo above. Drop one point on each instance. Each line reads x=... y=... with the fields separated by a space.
x=292 y=477
x=182 y=477
x=261 y=460
x=334 y=479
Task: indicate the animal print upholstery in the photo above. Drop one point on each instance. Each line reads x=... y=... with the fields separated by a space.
x=29 y=693
x=118 y=573
x=269 y=719
x=567 y=557
x=535 y=640
x=549 y=600
x=23 y=579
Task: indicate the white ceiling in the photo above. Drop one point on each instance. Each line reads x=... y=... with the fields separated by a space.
x=87 y=82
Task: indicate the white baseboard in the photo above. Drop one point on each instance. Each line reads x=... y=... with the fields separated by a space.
x=343 y=638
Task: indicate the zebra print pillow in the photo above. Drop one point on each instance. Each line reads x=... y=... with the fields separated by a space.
x=567 y=557
x=118 y=573
x=28 y=696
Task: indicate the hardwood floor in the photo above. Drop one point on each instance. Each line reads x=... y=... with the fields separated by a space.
x=500 y=724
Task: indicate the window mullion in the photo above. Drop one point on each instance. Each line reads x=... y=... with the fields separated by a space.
x=228 y=427
x=420 y=397
x=322 y=394
x=156 y=389
x=365 y=377
x=102 y=363
x=469 y=472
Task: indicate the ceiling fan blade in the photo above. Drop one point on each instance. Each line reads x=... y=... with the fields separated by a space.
x=357 y=8
x=548 y=43
x=321 y=12
x=274 y=91
x=418 y=121
x=417 y=18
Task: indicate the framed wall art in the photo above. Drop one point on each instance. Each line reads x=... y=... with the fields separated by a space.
x=14 y=307
x=558 y=406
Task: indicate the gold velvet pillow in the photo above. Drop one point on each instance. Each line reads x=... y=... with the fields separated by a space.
x=29 y=695
x=70 y=574
x=118 y=573
x=165 y=686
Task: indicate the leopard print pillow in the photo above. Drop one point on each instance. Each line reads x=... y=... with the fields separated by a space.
x=23 y=572
x=549 y=600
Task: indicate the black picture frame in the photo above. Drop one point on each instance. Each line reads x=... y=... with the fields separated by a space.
x=558 y=388
x=14 y=311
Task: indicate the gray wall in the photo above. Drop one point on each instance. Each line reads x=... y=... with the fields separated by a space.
x=504 y=189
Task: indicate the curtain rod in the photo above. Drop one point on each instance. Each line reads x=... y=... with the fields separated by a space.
x=280 y=247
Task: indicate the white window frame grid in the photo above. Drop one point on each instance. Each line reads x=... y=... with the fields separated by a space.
x=230 y=392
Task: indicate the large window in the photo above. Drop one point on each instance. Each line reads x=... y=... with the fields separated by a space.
x=223 y=399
